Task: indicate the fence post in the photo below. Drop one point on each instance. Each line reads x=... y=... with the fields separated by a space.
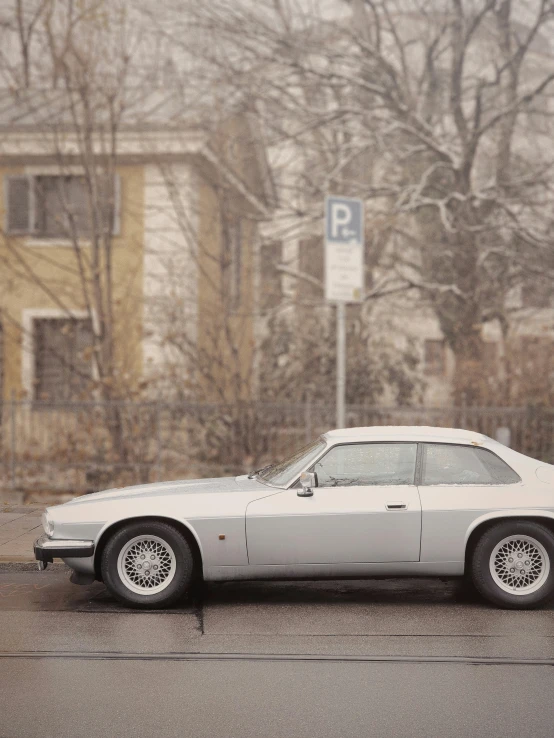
x=308 y=417
x=12 y=441
x=503 y=435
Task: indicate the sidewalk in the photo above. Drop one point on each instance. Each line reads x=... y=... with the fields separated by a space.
x=19 y=528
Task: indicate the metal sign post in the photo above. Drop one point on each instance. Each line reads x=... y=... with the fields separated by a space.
x=344 y=274
x=341 y=365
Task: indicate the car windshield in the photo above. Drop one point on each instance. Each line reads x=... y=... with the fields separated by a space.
x=284 y=472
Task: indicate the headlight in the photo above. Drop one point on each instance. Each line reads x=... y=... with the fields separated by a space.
x=47 y=524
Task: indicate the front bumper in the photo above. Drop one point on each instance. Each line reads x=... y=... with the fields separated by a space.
x=47 y=549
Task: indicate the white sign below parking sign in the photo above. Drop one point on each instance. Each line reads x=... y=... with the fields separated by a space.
x=344 y=249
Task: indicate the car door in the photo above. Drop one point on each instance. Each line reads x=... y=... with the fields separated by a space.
x=365 y=509
x=457 y=484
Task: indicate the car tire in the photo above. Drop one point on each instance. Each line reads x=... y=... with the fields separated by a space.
x=147 y=565
x=513 y=565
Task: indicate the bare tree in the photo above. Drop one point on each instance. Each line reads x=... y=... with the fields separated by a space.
x=435 y=112
x=77 y=91
x=80 y=113
x=19 y=22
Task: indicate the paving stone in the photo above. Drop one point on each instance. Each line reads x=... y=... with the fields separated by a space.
x=8 y=517
x=20 y=526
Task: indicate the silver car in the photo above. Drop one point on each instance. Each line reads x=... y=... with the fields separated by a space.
x=359 y=502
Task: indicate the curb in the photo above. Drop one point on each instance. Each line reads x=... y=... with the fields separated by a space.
x=10 y=567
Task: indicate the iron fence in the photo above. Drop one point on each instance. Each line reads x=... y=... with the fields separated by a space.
x=79 y=447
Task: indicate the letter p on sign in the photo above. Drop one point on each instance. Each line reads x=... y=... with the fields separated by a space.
x=340 y=216
x=343 y=220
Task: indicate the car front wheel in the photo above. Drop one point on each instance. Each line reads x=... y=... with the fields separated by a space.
x=512 y=564
x=147 y=564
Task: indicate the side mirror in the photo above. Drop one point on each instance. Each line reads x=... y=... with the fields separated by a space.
x=308 y=480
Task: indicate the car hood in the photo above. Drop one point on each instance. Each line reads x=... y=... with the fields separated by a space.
x=180 y=487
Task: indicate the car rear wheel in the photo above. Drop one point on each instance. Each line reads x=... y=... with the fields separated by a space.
x=148 y=565
x=512 y=564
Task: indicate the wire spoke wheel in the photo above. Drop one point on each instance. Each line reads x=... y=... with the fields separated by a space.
x=519 y=565
x=146 y=564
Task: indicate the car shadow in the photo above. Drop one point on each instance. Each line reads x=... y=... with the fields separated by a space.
x=316 y=593
x=52 y=591
x=383 y=591
x=389 y=592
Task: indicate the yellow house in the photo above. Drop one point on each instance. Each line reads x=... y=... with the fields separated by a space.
x=179 y=244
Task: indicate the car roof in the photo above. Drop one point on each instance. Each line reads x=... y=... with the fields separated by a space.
x=407 y=433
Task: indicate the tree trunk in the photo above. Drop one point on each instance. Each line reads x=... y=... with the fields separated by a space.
x=470 y=382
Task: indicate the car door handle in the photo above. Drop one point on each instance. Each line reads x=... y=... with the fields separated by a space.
x=396 y=506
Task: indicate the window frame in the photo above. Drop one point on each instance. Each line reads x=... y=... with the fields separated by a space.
x=367 y=443
x=28 y=358
x=419 y=468
x=33 y=236
x=39 y=322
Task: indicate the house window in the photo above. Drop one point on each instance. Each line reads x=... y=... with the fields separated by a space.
x=58 y=206
x=271 y=291
x=435 y=358
x=232 y=261
x=62 y=358
x=62 y=208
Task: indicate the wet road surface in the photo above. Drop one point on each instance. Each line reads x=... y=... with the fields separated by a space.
x=362 y=658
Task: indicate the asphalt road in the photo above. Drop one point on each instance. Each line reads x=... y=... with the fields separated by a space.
x=381 y=658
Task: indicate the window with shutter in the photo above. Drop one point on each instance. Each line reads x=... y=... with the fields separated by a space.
x=63 y=358
x=58 y=206
x=18 y=204
x=62 y=207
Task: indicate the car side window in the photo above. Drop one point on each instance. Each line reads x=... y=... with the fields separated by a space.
x=450 y=464
x=360 y=464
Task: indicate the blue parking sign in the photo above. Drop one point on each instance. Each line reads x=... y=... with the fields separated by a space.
x=343 y=220
x=344 y=249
